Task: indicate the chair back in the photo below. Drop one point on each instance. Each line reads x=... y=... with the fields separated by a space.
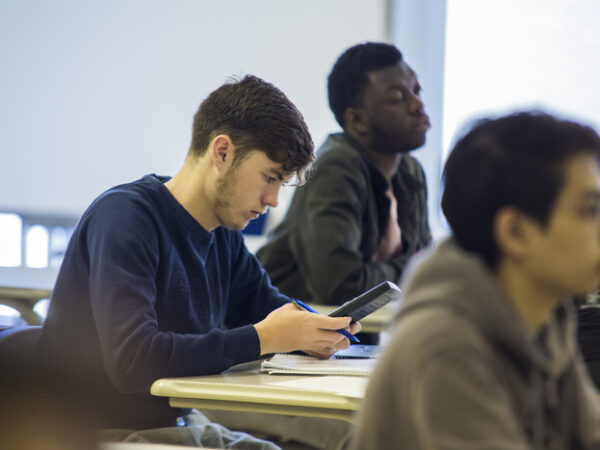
x=21 y=341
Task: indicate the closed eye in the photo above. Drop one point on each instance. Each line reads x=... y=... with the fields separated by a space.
x=592 y=210
x=396 y=95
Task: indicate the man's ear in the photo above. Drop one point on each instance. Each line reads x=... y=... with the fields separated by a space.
x=513 y=233
x=355 y=120
x=221 y=152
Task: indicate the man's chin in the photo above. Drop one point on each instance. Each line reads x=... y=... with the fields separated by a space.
x=236 y=226
x=415 y=144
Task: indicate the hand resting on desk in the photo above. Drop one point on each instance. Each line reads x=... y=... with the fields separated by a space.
x=288 y=329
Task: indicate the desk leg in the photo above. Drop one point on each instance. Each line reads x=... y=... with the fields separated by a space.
x=25 y=309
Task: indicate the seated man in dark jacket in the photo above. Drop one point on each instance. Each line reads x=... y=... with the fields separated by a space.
x=363 y=211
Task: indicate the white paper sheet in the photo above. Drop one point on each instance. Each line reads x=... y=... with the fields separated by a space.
x=347 y=386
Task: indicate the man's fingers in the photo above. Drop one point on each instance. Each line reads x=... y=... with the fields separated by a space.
x=332 y=323
x=355 y=327
x=333 y=340
x=322 y=354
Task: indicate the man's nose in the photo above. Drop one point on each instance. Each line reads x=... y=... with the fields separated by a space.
x=416 y=104
x=271 y=197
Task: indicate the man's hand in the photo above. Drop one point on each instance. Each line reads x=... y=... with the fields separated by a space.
x=288 y=328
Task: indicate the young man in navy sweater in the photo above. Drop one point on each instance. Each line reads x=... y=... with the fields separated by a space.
x=157 y=281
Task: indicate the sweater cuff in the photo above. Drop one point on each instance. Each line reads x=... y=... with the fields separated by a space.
x=243 y=344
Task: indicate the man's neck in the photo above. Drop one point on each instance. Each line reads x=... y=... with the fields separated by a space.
x=533 y=302
x=189 y=190
x=386 y=163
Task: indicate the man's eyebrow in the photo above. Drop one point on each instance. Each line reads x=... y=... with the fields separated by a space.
x=590 y=194
x=406 y=85
x=278 y=173
x=396 y=85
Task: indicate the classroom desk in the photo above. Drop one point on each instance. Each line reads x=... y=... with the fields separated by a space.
x=374 y=322
x=248 y=390
x=23 y=300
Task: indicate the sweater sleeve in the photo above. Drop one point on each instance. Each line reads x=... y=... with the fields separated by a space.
x=327 y=241
x=486 y=418
x=123 y=253
x=585 y=395
x=447 y=398
x=252 y=295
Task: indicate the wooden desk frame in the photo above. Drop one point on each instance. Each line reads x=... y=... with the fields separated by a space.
x=243 y=391
x=24 y=300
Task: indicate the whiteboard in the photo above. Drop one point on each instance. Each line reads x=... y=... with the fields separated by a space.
x=101 y=92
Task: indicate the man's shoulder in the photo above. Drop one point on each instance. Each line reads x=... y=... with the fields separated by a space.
x=337 y=146
x=435 y=340
x=437 y=328
x=125 y=204
x=127 y=192
x=338 y=154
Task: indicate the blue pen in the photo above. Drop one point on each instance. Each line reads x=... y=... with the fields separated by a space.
x=303 y=305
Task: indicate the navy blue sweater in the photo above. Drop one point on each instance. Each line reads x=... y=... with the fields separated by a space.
x=145 y=292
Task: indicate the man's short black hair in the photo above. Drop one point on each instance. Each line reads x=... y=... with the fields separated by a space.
x=349 y=76
x=517 y=161
x=256 y=116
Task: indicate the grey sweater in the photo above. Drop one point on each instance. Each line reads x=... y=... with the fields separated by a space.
x=463 y=372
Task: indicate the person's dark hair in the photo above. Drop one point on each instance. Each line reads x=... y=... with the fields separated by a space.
x=349 y=76
x=256 y=116
x=517 y=161
x=40 y=405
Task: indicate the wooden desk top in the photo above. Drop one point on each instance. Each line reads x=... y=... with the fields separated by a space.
x=29 y=294
x=251 y=391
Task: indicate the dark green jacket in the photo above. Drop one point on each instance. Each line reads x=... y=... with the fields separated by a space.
x=322 y=250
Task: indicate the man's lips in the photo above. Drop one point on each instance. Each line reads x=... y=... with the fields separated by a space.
x=423 y=124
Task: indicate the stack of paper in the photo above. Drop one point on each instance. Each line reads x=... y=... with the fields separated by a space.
x=353 y=387
x=307 y=365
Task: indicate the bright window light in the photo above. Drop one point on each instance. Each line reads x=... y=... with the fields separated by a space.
x=508 y=55
x=11 y=229
x=59 y=238
x=36 y=247
x=10 y=317
x=8 y=311
x=41 y=308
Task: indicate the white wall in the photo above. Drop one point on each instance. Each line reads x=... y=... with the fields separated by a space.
x=526 y=54
x=418 y=28
x=100 y=92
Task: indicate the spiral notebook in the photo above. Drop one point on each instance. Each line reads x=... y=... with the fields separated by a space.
x=292 y=364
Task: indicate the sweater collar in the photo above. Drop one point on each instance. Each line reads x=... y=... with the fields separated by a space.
x=449 y=277
x=173 y=208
